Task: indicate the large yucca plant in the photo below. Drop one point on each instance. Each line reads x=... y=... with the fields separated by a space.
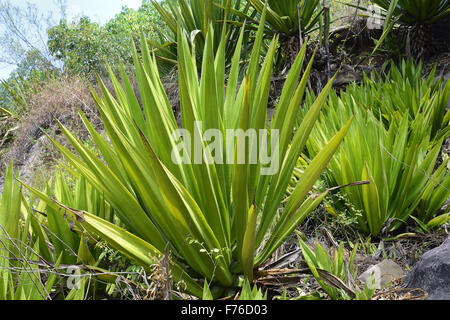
x=220 y=221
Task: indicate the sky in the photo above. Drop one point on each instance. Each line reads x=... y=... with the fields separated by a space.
x=99 y=11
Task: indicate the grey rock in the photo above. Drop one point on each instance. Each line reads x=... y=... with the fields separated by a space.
x=382 y=274
x=432 y=273
x=347 y=75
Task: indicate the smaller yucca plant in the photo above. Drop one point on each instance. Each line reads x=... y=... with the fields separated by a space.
x=291 y=20
x=20 y=269
x=194 y=18
x=414 y=12
x=404 y=91
x=417 y=15
x=68 y=241
x=393 y=144
x=335 y=273
x=283 y=15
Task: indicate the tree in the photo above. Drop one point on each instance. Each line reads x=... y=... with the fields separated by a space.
x=81 y=46
x=23 y=34
x=85 y=46
x=23 y=31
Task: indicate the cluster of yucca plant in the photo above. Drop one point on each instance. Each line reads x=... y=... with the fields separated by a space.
x=220 y=220
x=403 y=91
x=292 y=20
x=394 y=145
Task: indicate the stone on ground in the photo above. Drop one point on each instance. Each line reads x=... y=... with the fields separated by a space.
x=382 y=274
x=432 y=273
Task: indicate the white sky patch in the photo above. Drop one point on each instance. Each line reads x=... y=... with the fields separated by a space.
x=5 y=71
x=74 y=13
x=99 y=11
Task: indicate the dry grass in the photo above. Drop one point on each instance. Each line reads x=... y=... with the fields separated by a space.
x=58 y=99
x=170 y=82
x=61 y=99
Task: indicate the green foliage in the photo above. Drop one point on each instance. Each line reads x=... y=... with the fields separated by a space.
x=15 y=95
x=85 y=46
x=195 y=18
x=18 y=92
x=413 y=12
x=339 y=271
x=25 y=81
x=129 y=24
x=214 y=216
x=20 y=278
x=395 y=142
x=249 y=294
x=283 y=16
